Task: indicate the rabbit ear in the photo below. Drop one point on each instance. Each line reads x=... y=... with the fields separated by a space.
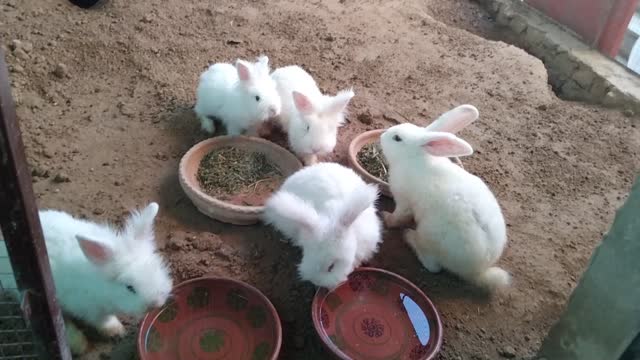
x=263 y=64
x=356 y=202
x=455 y=119
x=302 y=102
x=150 y=212
x=339 y=102
x=293 y=209
x=446 y=145
x=140 y=224
x=264 y=60
x=95 y=251
x=244 y=70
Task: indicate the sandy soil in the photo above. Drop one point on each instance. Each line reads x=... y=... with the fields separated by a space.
x=104 y=98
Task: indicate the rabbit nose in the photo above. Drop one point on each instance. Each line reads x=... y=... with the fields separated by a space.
x=273 y=112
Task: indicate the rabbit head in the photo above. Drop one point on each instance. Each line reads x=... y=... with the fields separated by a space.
x=258 y=88
x=133 y=277
x=404 y=142
x=455 y=119
x=329 y=240
x=316 y=127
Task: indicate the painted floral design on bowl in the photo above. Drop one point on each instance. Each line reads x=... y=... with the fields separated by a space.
x=212 y=318
x=377 y=314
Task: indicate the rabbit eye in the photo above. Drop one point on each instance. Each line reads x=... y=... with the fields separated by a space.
x=257 y=98
x=308 y=127
x=330 y=267
x=397 y=138
x=131 y=289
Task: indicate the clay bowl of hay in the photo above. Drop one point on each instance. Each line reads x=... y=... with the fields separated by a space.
x=366 y=158
x=228 y=178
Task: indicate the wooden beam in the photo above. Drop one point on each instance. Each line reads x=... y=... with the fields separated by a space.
x=20 y=225
x=602 y=316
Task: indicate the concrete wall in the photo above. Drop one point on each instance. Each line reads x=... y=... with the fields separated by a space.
x=586 y=18
x=576 y=71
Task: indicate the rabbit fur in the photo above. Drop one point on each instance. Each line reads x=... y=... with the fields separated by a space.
x=310 y=118
x=329 y=211
x=460 y=225
x=241 y=96
x=100 y=272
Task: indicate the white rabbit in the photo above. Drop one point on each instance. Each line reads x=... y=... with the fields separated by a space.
x=242 y=97
x=99 y=271
x=310 y=118
x=460 y=225
x=329 y=211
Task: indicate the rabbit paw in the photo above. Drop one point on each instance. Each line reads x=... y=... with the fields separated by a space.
x=252 y=132
x=207 y=125
x=409 y=237
x=430 y=263
x=393 y=220
x=77 y=341
x=389 y=220
x=310 y=159
x=112 y=327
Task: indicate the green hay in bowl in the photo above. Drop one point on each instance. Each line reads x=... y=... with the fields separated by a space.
x=229 y=171
x=370 y=157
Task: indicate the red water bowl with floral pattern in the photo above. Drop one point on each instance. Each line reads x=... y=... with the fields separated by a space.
x=377 y=314
x=212 y=318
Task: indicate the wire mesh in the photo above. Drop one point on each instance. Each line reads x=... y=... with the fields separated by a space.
x=16 y=337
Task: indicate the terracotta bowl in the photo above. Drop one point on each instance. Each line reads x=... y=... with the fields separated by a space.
x=376 y=314
x=222 y=210
x=357 y=144
x=212 y=318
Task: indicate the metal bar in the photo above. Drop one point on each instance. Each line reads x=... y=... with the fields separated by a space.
x=22 y=233
x=14 y=331
x=21 y=343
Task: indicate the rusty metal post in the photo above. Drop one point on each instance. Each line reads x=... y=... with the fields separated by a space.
x=611 y=36
x=21 y=230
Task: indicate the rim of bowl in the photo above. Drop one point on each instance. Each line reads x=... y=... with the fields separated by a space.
x=263 y=298
x=335 y=350
x=354 y=148
x=215 y=144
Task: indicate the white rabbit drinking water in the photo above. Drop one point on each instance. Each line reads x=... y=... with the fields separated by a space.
x=329 y=211
x=242 y=97
x=310 y=118
x=100 y=272
x=460 y=225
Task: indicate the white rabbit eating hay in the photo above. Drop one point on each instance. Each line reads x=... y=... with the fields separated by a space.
x=329 y=211
x=100 y=272
x=310 y=118
x=460 y=225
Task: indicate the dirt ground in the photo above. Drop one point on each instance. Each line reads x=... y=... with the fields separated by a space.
x=104 y=99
